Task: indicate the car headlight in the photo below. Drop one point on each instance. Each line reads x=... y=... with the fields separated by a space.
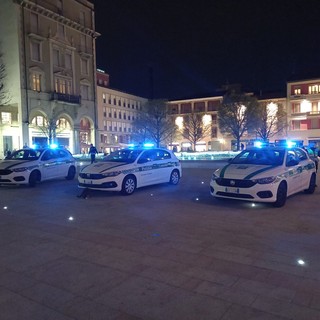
x=111 y=174
x=215 y=176
x=266 y=180
x=20 y=169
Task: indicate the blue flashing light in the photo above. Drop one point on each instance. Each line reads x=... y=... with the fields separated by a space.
x=148 y=145
x=53 y=146
x=258 y=144
x=291 y=144
x=34 y=146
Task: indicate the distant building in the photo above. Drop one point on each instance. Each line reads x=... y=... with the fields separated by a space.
x=49 y=53
x=303 y=108
x=116 y=112
x=209 y=106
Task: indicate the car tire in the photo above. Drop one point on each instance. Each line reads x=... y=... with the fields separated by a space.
x=312 y=185
x=129 y=185
x=281 y=195
x=71 y=173
x=174 y=177
x=34 y=178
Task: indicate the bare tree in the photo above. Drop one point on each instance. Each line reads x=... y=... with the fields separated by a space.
x=271 y=120
x=236 y=115
x=195 y=129
x=50 y=128
x=4 y=96
x=154 y=124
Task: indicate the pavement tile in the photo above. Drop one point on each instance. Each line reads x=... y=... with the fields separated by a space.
x=286 y=309
x=236 y=312
x=15 y=307
x=15 y=281
x=78 y=276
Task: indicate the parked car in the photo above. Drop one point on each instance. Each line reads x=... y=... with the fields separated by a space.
x=313 y=154
x=30 y=166
x=127 y=169
x=267 y=174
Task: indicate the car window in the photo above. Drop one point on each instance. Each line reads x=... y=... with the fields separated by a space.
x=291 y=156
x=61 y=153
x=123 y=155
x=162 y=154
x=147 y=156
x=48 y=155
x=24 y=154
x=301 y=154
x=259 y=157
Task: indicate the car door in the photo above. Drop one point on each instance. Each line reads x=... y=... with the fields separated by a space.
x=305 y=173
x=294 y=170
x=49 y=166
x=62 y=162
x=145 y=166
x=162 y=166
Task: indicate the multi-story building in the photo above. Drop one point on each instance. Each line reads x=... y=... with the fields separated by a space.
x=48 y=51
x=116 y=112
x=208 y=107
x=303 y=110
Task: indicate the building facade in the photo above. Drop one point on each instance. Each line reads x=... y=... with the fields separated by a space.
x=215 y=140
x=303 y=110
x=116 y=112
x=48 y=51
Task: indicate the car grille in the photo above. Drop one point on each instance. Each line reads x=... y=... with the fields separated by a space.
x=92 y=176
x=4 y=172
x=237 y=183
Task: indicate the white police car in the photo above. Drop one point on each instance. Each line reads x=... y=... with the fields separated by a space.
x=267 y=174
x=127 y=169
x=29 y=166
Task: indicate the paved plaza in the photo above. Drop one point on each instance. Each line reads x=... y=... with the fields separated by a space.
x=164 y=253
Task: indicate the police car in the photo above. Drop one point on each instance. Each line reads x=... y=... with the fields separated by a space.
x=266 y=174
x=29 y=166
x=127 y=169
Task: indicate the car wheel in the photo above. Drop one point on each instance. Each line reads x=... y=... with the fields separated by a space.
x=312 y=185
x=71 y=173
x=174 y=177
x=34 y=178
x=129 y=185
x=281 y=195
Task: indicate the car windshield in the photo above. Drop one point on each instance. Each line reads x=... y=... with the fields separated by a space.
x=24 y=154
x=124 y=155
x=260 y=157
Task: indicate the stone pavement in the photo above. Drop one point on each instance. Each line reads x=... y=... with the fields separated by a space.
x=166 y=252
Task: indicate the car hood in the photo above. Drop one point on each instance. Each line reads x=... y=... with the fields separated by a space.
x=7 y=164
x=100 y=167
x=244 y=171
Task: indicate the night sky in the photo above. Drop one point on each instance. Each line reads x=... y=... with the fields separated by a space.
x=176 y=49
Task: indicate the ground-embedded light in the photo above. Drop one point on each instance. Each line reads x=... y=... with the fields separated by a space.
x=301 y=262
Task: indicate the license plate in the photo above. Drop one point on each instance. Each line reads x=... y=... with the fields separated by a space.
x=232 y=190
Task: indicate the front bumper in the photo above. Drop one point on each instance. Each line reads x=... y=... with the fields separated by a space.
x=256 y=192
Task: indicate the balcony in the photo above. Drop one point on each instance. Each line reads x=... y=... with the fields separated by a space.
x=56 y=96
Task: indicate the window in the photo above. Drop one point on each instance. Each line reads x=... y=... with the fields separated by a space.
x=61 y=31
x=82 y=18
x=84 y=89
x=35 y=51
x=186 y=108
x=296 y=108
x=84 y=66
x=83 y=42
x=56 y=57
x=6 y=117
x=68 y=61
x=34 y=22
x=63 y=85
x=199 y=106
x=314 y=89
x=297 y=91
x=104 y=98
x=36 y=82
x=213 y=105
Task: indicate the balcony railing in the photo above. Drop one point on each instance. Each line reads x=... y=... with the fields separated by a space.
x=65 y=97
